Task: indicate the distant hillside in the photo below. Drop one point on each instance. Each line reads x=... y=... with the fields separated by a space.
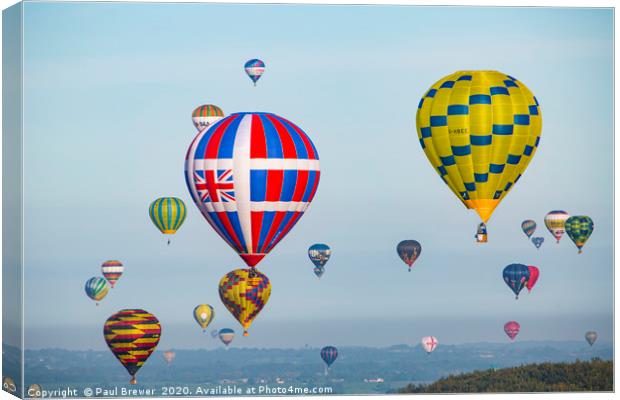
x=595 y=375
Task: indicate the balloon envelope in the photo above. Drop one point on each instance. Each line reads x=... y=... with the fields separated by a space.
x=206 y=115
x=96 y=288
x=203 y=314
x=512 y=329
x=329 y=355
x=226 y=335
x=429 y=343
x=245 y=292
x=516 y=276
x=169 y=356
x=112 y=271
x=252 y=176
x=529 y=227
x=168 y=214
x=409 y=251
x=591 y=337
x=579 y=228
x=534 y=273
x=132 y=336
x=538 y=241
x=255 y=68
x=319 y=254
x=479 y=130
x=554 y=221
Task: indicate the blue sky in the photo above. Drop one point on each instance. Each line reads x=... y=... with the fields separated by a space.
x=109 y=89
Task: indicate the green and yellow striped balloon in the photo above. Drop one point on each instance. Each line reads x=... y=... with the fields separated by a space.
x=96 y=288
x=579 y=228
x=168 y=214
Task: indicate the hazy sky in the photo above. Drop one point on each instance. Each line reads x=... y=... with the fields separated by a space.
x=109 y=89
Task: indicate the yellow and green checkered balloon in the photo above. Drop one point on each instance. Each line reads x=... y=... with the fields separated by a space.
x=479 y=130
x=579 y=228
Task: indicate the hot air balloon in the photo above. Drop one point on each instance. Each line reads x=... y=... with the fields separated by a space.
x=96 y=288
x=579 y=228
x=319 y=254
x=319 y=271
x=409 y=251
x=168 y=214
x=554 y=221
x=329 y=355
x=534 y=273
x=516 y=276
x=169 y=356
x=529 y=227
x=429 y=343
x=538 y=241
x=112 y=271
x=252 y=176
x=255 y=69
x=591 y=337
x=205 y=115
x=214 y=333
x=512 y=329
x=203 y=314
x=132 y=335
x=479 y=130
x=245 y=292
x=226 y=336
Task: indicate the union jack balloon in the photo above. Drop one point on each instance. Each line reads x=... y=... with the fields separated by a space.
x=252 y=176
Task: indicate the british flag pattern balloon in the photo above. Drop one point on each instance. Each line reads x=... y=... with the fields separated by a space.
x=252 y=176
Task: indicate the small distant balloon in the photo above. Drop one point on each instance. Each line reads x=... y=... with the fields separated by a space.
x=112 y=271
x=529 y=227
x=169 y=356
x=409 y=251
x=538 y=241
x=512 y=329
x=579 y=228
x=534 y=273
x=591 y=337
x=319 y=254
x=516 y=276
x=226 y=335
x=429 y=343
x=554 y=221
x=214 y=333
x=96 y=288
x=255 y=69
x=203 y=314
x=206 y=115
x=168 y=214
x=329 y=355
